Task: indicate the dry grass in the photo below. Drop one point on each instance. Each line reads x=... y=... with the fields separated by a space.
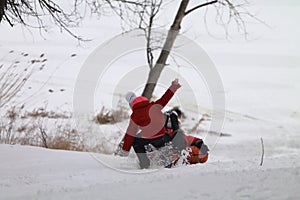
x=106 y=116
x=66 y=138
x=43 y=130
x=52 y=130
x=42 y=112
x=7 y=134
x=63 y=137
x=30 y=127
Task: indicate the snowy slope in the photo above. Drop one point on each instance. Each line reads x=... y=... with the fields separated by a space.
x=35 y=173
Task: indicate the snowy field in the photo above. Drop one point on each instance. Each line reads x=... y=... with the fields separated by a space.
x=261 y=81
x=33 y=173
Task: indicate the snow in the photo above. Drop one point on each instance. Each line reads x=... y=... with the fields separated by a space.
x=261 y=81
x=35 y=173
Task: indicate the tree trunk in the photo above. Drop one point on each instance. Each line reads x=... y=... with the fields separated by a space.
x=2 y=6
x=155 y=72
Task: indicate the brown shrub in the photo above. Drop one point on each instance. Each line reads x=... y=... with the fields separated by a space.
x=106 y=116
x=42 y=112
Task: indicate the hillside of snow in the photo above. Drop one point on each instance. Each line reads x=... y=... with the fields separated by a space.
x=35 y=173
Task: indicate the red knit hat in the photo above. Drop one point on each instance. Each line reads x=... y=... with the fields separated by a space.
x=138 y=100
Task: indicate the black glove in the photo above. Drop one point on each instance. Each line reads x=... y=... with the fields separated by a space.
x=178 y=140
x=203 y=147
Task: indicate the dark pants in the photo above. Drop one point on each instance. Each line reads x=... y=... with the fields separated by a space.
x=177 y=139
x=140 y=150
x=140 y=143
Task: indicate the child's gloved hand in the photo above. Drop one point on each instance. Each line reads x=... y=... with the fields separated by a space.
x=120 y=152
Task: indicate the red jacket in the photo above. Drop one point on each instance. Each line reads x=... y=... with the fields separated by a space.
x=148 y=117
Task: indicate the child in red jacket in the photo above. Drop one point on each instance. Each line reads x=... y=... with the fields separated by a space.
x=147 y=126
x=147 y=120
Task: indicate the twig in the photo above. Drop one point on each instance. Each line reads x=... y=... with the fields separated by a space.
x=44 y=137
x=203 y=118
x=200 y=6
x=263 y=152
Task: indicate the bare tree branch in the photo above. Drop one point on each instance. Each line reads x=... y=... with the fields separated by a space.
x=43 y=137
x=22 y=11
x=154 y=10
x=13 y=76
x=200 y=6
